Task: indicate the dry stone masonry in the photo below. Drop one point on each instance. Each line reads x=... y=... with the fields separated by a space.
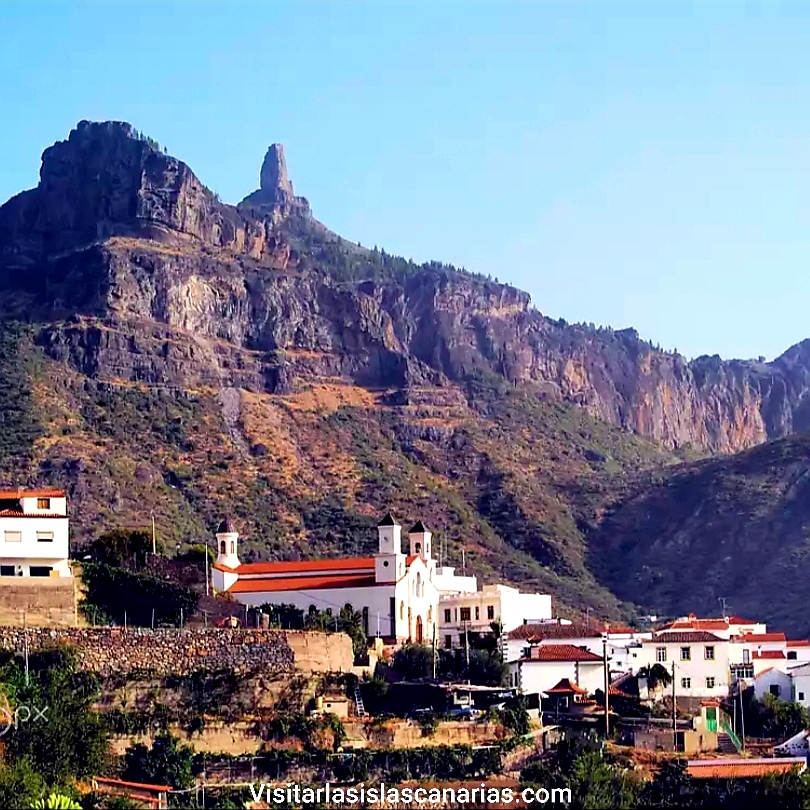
x=109 y=651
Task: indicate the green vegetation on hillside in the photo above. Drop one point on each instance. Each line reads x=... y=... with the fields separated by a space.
x=736 y=527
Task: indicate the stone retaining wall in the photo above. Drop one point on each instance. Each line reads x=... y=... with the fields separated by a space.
x=38 y=601
x=110 y=651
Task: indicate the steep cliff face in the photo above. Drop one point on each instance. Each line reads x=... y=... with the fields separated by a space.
x=140 y=273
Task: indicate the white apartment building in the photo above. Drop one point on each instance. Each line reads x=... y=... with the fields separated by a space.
x=34 y=533
x=467 y=613
x=394 y=592
x=701 y=661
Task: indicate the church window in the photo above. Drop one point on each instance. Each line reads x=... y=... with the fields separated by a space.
x=233 y=547
x=477 y=613
x=418 y=548
x=465 y=614
x=385 y=563
x=222 y=547
x=401 y=610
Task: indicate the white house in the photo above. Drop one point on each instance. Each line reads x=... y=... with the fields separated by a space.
x=395 y=592
x=751 y=653
x=801 y=684
x=700 y=659
x=34 y=532
x=723 y=627
x=623 y=643
x=474 y=613
x=773 y=681
x=542 y=666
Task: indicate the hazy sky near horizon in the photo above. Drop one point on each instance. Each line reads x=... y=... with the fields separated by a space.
x=629 y=164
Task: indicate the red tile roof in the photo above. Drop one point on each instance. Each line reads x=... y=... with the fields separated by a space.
x=614 y=691
x=560 y=652
x=311 y=583
x=799 y=642
x=106 y=780
x=539 y=632
x=305 y=566
x=742 y=769
x=696 y=624
x=684 y=638
x=740 y=620
x=16 y=513
x=565 y=687
x=754 y=637
x=16 y=494
x=769 y=654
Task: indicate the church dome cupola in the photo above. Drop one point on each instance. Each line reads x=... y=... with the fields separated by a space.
x=227 y=544
x=420 y=541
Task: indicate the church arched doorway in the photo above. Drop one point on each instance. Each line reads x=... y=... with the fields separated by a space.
x=419 y=632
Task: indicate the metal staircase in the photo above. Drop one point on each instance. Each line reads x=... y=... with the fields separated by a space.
x=358 y=701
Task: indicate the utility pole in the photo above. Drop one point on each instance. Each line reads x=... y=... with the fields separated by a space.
x=742 y=717
x=206 y=568
x=674 y=713
x=25 y=645
x=467 y=650
x=435 y=652
x=607 y=684
x=154 y=544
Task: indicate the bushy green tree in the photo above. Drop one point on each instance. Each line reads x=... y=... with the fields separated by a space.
x=413 y=661
x=167 y=762
x=62 y=737
x=122 y=548
x=21 y=785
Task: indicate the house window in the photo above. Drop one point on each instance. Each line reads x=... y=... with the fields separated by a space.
x=465 y=614
x=791 y=655
x=477 y=613
x=774 y=689
x=686 y=683
x=447 y=615
x=448 y=642
x=44 y=537
x=461 y=640
x=746 y=656
x=563 y=702
x=660 y=654
x=491 y=612
x=709 y=653
x=43 y=503
x=13 y=537
x=743 y=671
x=710 y=683
x=801 y=694
x=6 y=570
x=686 y=653
x=40 y=570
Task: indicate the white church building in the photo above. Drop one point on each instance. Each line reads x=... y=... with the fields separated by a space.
x=395 y=592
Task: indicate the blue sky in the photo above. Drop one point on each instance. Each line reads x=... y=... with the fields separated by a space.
x=633 y=164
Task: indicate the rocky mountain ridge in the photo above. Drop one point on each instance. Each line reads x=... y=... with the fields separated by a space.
x=122 y=235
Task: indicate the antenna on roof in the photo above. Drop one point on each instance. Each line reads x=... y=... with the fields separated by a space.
x=722 y=600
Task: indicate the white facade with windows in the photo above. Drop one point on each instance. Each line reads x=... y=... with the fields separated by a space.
x=701 y=663
x=475 y=613
x=34 y=533
x=542 y=666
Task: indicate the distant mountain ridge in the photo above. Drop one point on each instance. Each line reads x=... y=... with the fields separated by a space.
x=254 y=275
x=165 y=351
